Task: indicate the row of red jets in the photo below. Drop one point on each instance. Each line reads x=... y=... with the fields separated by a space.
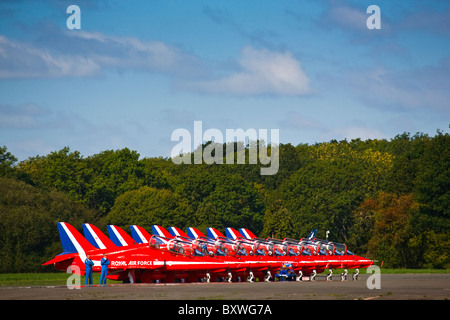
x=170 y=256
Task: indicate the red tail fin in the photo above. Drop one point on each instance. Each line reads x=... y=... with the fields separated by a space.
x=247 y=233
x=214 y=233
x=97 y=238
x=194 y=233
x=174 y=231
x=139 y=234
x=160 y=231
x=119 y=236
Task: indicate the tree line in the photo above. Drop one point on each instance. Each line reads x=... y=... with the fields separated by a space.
x=388 y=200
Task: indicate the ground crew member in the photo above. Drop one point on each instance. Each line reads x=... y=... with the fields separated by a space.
x=104 y=262
x=88 y=263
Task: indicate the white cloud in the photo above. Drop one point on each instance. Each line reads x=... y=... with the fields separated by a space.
x=347 y=17
x=22 y=60
x=352 y=20
x=262 y=72
x=133 y=53
x=414 y=89
x=87 y=54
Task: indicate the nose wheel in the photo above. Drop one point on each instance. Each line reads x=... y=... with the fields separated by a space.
x=344 y=275
x=355 y=275
x=312 y=277
x=268 y=276
x=251 y=277
x=330 y=275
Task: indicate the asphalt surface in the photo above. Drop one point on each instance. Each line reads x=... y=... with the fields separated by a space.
x=391 y=287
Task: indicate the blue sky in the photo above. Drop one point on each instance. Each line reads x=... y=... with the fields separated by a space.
x=138 y=70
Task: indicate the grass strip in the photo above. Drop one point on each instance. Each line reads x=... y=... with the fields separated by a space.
x=60 y=278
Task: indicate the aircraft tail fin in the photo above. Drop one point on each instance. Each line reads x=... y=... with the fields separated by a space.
x=119 y=237
x=72 y=241
x=139 y=234
x=312 y=235
x=160 y=231
x=194 y=233
x=174 y=231
x=247 y=234
x=232 y=233
x=213 y=233
x=97 y=238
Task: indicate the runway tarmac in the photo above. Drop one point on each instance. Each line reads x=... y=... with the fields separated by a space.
x=392 y=287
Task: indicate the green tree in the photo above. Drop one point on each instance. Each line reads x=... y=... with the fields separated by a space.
x=389 y=240
x=112 y=173
x=196 y=182
x=363 y=224
x=234 y=203
x=28 y=217
x=147 y=206
x=407 y=151
x=436 y=251
x=278 y=222
x=289 y=162
x=432 y=185
x=7 y=161
x=62 y=170
x=335 y=180
x=158 y=173
x=389 y=199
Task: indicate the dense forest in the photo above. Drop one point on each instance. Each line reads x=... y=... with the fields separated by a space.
x=388 y=200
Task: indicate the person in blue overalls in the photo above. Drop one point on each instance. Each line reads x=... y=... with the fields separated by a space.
x=104 y=262
x=88 y=263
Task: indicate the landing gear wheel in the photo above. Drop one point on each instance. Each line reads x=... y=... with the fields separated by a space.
x=312 y=277
x=355 y=275
x=329 y=277
x=344 y=275
x=251 y=277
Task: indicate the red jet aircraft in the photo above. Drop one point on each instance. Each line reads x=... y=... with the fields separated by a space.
x=191 y=257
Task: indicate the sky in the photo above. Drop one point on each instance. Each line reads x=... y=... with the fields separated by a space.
x=136 y=71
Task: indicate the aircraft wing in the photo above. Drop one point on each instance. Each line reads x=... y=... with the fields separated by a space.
x=60 y=258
